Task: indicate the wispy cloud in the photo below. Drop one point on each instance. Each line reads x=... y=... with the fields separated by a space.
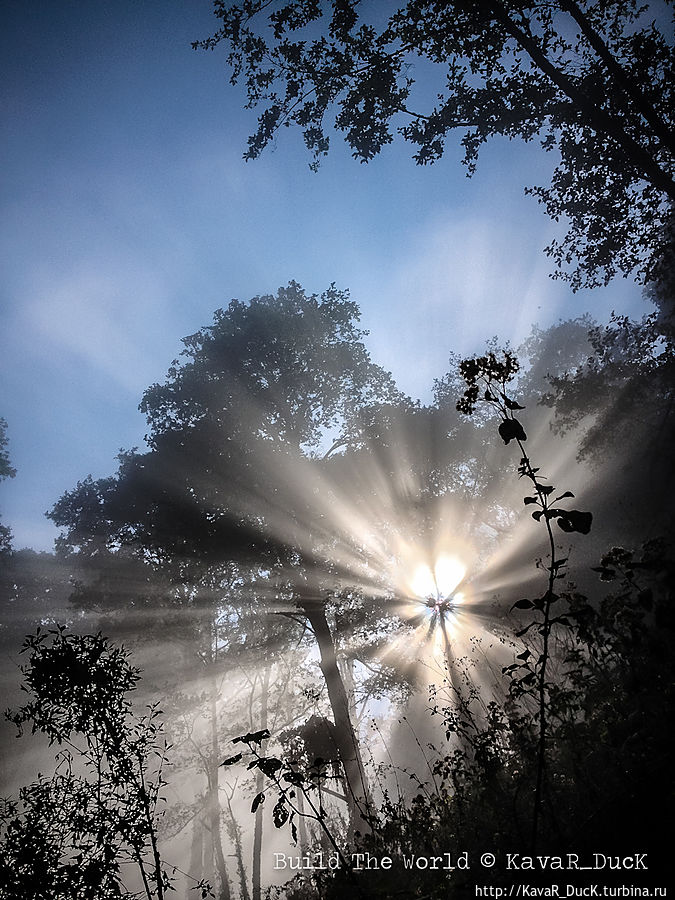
x=95 y=316
x=463 y=280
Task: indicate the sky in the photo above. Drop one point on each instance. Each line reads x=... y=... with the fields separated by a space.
x=128 y=216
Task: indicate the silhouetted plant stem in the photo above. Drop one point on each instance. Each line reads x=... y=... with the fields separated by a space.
x=486 y=378
x=152 y=831
x=545 y=633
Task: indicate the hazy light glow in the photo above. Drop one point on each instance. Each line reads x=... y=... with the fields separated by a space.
x=438 y=584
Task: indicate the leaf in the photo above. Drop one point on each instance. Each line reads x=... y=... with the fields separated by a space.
x=252 y=737
x=511 y=430
x=294 y=833
x=257 y=801
x=574 y=520
x=511 y=404
x=231 y=760
x=280 y=814
x=562 y=496
x=527 y=500
x=295 y=778
x=269 y=765
x=523 y=604
x=524 y=655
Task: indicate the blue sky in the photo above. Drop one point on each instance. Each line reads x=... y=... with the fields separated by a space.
x=129 y=216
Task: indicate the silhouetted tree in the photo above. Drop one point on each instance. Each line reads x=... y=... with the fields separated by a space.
x=618 y=401
x=6 y=471
x=77 y=833
x=592 y=81
x=221 y=495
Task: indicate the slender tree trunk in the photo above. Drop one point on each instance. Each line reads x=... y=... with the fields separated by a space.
x=302 y=828
x=239 y=853
x=214 y=799
x=259 y=786
x=195 y=868
x=347 y=669
x=358 y=795
x=214 y=827
x=208 y=868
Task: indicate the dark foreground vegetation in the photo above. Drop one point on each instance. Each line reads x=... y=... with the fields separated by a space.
x=303 y=698
x=219 y=555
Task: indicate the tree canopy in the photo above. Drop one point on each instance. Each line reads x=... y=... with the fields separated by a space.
x=270 y=378
x=227 y=485
x=592 y=81
x=281 y=368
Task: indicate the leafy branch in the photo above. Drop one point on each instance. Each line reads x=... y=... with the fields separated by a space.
x=487 y=378
x=69 y=834
x=288 y=781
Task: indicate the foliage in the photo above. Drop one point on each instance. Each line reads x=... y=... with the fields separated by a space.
x=578 y=726
x=513 y=747
x=592 y=81
x=258 y=390
x=625 y=382
x=6 y=468
x=291 y=779
x=282 y=368
x=486 y=378
x=6 y=471
x=78 y=833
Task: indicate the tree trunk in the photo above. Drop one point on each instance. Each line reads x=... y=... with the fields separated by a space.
x=195 y=869
x=213 y=777
x=208 y=869
x=346 y=667
x=259 y=786
x=356 y=784
x=235 y=833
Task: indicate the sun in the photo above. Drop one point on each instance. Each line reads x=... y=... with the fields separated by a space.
x=437 y=586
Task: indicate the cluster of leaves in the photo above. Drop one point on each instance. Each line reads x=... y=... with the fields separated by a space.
x=591 y=81
x=73 y=835
x=486 y=378
x=608 y=754
x=289 y=779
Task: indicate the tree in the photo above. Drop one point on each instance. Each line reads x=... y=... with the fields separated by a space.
x=620 y=402
x=76 y=834
x=235 y=430
x=592 y=81
x=6 y=471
